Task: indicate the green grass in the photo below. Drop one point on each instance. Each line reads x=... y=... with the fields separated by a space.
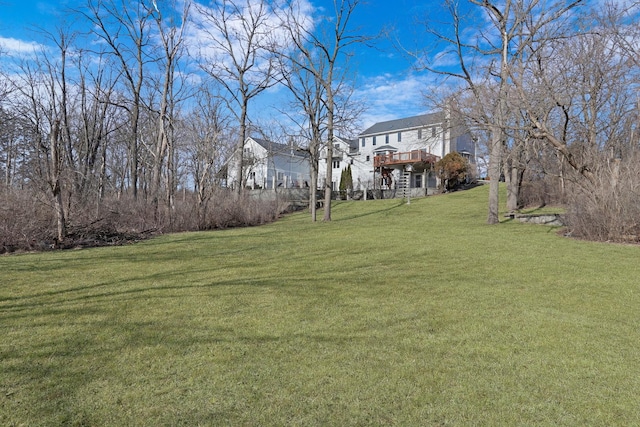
x=392 y=314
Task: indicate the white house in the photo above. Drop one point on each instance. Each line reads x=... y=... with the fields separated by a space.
x=269 y=164
x=395 y=154
x=399 y=153
x=345 y=153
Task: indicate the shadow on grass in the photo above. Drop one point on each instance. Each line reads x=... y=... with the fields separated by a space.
x=369 y=212
x=84 y=354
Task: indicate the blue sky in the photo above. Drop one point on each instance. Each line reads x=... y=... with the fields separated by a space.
x=386 y=82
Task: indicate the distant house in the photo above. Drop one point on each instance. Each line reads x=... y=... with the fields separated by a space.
x=271 y=165
x=344 y=154
x=400 y=153
x=390 y=155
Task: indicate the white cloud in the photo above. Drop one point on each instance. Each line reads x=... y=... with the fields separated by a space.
x=206 y=38
x=394 y=96
x=16 y=47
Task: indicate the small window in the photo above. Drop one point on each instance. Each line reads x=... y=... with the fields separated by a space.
x=386 y=139
x=363 y=142
x=419 y=133
x=368 y=158
x=336 y=164
x=418 y=181
x=374 y=140
x=336 y=146
x=399 y=136
x=433 y=131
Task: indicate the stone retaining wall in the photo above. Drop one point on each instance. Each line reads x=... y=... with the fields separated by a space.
x=544 y=219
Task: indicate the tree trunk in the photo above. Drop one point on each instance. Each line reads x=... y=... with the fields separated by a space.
x=513 y=178
x=240 y=154
x=313 y=196
x=494 y=174
x=328 y=190
x=55 y=184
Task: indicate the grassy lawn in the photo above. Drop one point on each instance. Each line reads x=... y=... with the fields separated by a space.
x=392 y=314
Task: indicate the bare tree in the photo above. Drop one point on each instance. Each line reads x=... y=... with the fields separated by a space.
x=208 y=149
x=238 y=53
x=318 y=52
x=303 y=78
x=42 y=99
x=308 y=93
x=513 y=24
x=96 y=119
x=124 y=27
x=170 y=32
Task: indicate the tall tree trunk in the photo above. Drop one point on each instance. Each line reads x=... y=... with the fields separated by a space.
x=240 y=154
x=328 y=190
x=133 y=149
x=313 y=189
x=55 y=183
x=495 y=155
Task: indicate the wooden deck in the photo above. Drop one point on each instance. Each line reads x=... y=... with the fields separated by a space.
x=404 y=158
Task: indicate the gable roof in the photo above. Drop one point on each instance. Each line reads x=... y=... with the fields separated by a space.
x=277 y=148
x=351 y=143
x=414 y=122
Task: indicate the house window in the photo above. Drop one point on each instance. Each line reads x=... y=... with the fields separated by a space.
x=399 y=136
x=374 y=140
x=363 y=144
x=336 y=146
x=336 y=164
x=433 y=131
x=419 y=133
x=368 y=158
x=417 y=181
x=386 y=139
x=280 y=176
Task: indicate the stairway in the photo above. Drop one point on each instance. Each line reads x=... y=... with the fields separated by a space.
x=404 y=185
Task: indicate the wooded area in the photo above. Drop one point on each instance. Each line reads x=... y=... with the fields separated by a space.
x=552 y=90
x=145 y=105
x=127 y=118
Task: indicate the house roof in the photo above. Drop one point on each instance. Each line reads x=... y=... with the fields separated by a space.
x=277 y=148
x=351 y=143
x=404 y=124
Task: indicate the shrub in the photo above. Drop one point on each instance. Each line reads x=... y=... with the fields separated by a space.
x=346 y=182
x=608 y=210
x=27 y=226
x=452 y=170
x=26 y=222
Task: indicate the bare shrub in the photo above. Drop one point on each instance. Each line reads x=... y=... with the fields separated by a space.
x=27 y=221
x=610 y=209
x=230 y=210
x=541 y=190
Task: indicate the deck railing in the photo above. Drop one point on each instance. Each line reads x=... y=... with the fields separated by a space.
x=404 y=158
